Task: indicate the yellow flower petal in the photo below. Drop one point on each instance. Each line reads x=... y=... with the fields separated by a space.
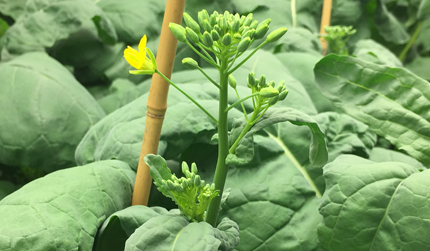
x=133 y=57
x=142 y=46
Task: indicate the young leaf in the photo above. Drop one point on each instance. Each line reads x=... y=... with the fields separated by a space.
x=393 y=102
x=80 y=198
x=374 y=206
x=388 y=25
x=174 y=232
x=374 y=52
x=379 y=154
x=116 y=229
x=51 y=112
x=245 y=151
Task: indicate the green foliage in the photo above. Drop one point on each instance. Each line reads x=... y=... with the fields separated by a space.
x=45 y=113
x=387 y=203
x=371 y=51
x=174 y=232
x=391 y=101
x=190 y=193
x=35 y=216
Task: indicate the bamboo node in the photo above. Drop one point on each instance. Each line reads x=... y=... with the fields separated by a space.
x=154 y=115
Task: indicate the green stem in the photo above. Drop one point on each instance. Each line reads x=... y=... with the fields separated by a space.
x=206 y=53
x=261 y=115
x=294 y=13
x=221 y=167
x=209 y=78
x=411 y=41
x=241 y=104
x=245 y=130
x=186 y=95
x=246 y=59
x=241 y=100
x=210 y=61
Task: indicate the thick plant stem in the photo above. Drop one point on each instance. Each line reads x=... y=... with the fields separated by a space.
x=411 y=41
x=221 y=167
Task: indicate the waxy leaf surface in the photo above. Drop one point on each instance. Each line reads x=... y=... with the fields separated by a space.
x=63 y=210
x=393 y=102
x=374 y=206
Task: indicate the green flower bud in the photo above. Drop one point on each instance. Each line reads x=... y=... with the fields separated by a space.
x=242 y=20
x=206 y=26
x=244 y=45
x=227 y=15
x=218 y=30
x=189 y=21
x=178 y=32
x=261 y=31
x=215 y=35
x=235 y=26
x=226 y=40
x=244 y=30
x=194 y=168
x=185 y=169
x=271 y=84
x=267 y=22
x=251 y=79
x=205 y=14
x=197 y=181
x=254 y=25
x=212 y=19
x=248 y=20
x=269 y=92
x=207 y=39
x=223 y=24
x=276 y=34
x=262 y=81
x=281 y=86
x=201 y=17
x=273 y=100
x=190 y=63
x=237 y=36
x=171 y=185
x=191 y=35
x=232 y=81
x=283 y=95
x=179 y=188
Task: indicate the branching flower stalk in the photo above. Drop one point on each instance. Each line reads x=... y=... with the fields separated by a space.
x=222 y=39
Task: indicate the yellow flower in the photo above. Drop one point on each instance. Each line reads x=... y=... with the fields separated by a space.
x=139 y=59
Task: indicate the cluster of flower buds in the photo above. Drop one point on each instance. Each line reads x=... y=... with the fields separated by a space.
x=268 y=91
x=224 y=31
x=189 y=192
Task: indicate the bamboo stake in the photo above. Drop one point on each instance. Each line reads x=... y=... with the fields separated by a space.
x=325 y=21
x=157 y=100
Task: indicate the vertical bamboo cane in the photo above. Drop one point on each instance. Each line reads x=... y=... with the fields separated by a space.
x=325 y=21
x=157 y=100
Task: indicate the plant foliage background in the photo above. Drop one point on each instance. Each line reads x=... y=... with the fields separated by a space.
x=67 y=100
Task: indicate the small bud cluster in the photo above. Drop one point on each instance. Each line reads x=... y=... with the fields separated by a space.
x=269 y=92
x=337 y=36
x=190 y=193
x=224 y=32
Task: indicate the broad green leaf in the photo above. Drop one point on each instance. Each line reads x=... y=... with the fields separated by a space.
x=105 y=30
x=134 y=18
x=371 y=51
x=388 y=25
x=393 y=102
x=419 y=66
x=374 y=206
x=301 y=66
x=44 y=23
x=159 y=170
x=386 y=155
x=299 y=40
x=423 y=9
x=245 y=151
x=274 y=206
x=122 y=91
x=63 y=210
x=14 y=8
x=175 y=233
x=346 y=12
x=119 y=135
x=45 y=113
x=6 y=188
x=345 y=135
x=116 y=229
